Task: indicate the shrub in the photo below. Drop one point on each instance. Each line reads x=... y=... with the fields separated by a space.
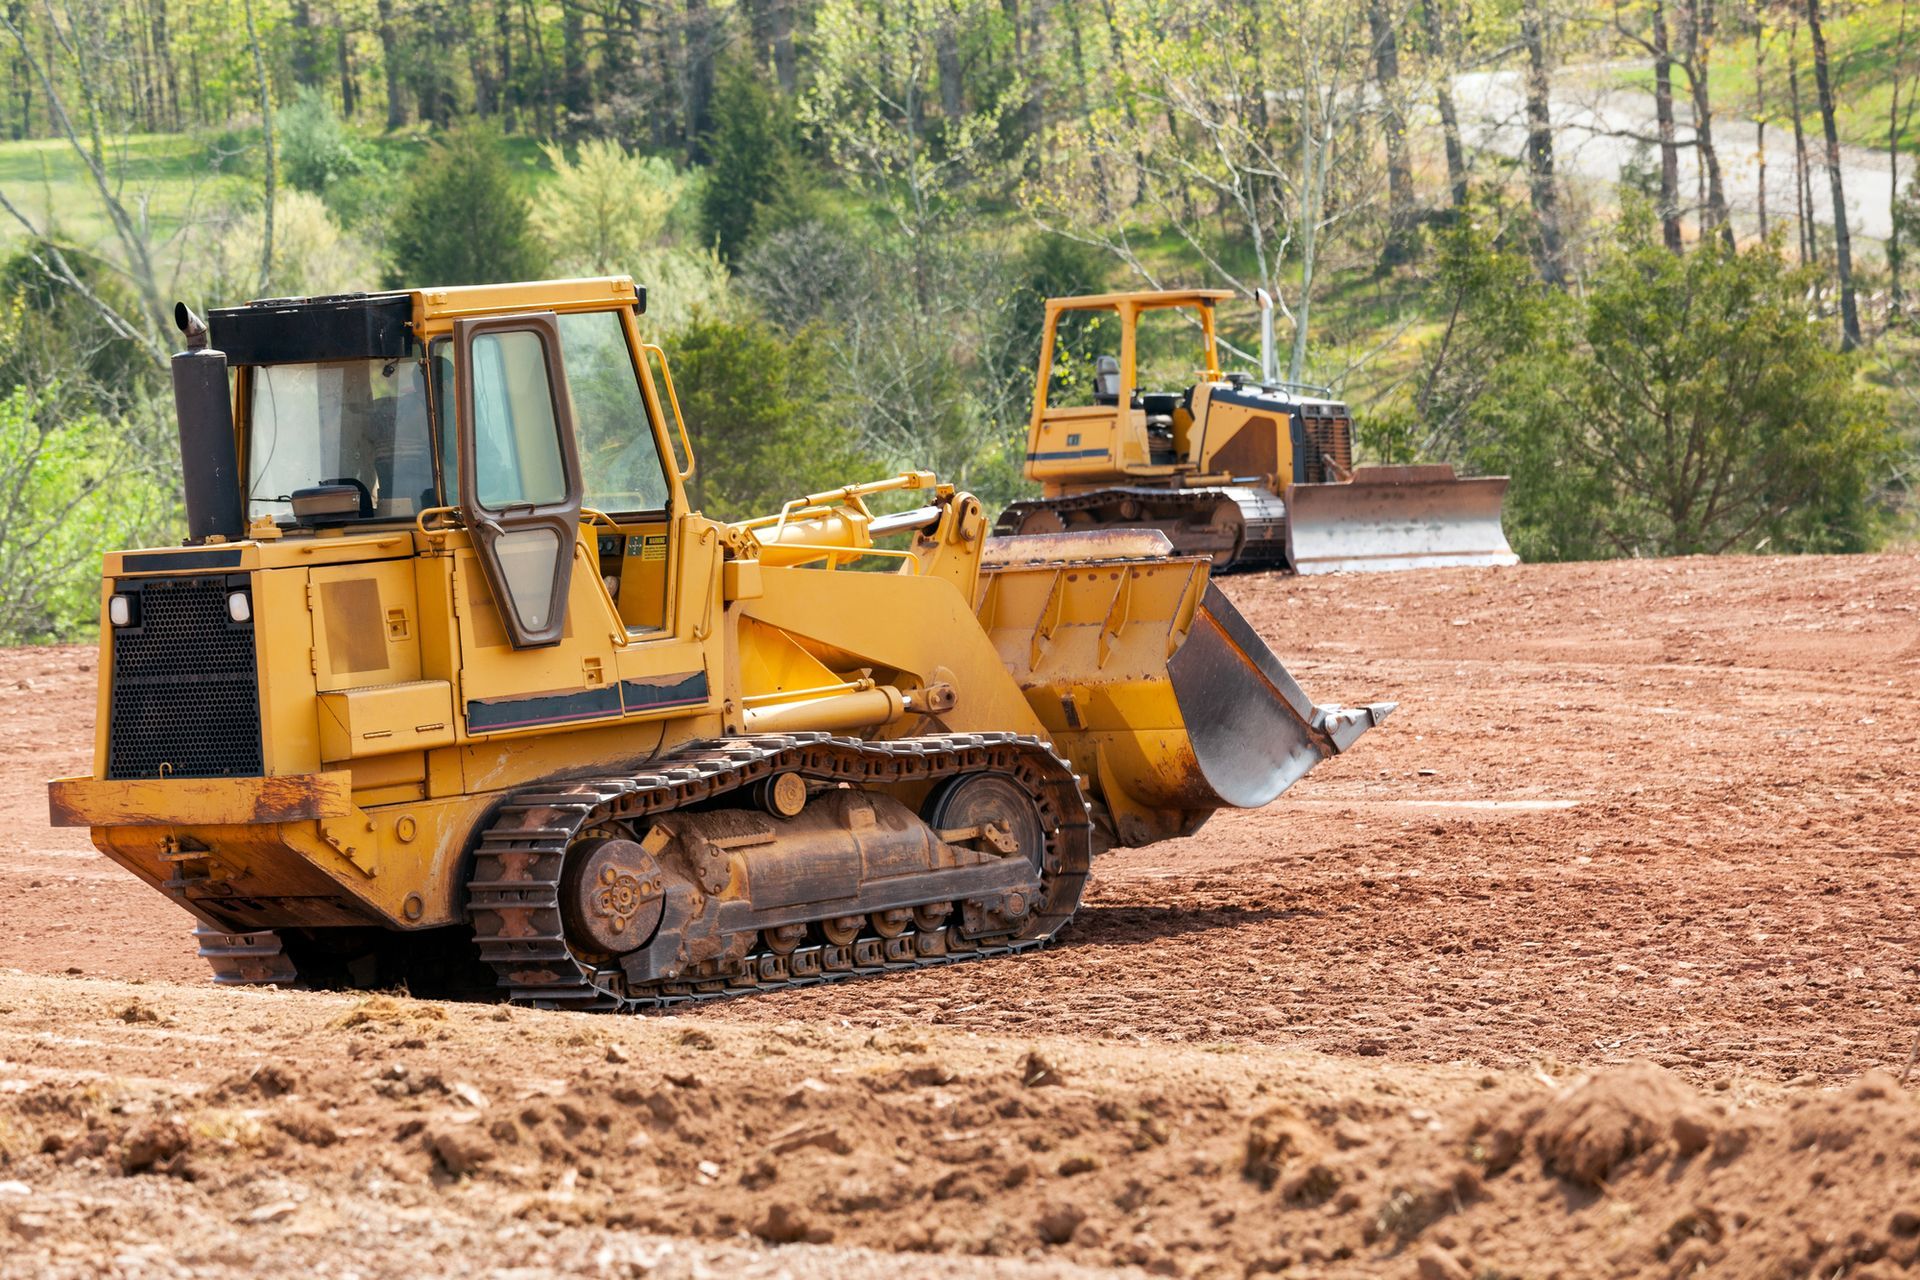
x=604 y=208
x=756 y=182
x=463 y=218
x=761 y=410
x=316 y=149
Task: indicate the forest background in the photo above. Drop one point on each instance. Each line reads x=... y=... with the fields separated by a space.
x=1653 y=258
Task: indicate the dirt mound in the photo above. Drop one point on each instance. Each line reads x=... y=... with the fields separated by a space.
x=1184 y=1162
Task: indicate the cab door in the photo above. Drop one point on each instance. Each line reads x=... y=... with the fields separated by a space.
x=559 y=452
x=536 y=647
x=519 y=474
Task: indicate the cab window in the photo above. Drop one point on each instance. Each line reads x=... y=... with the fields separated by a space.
x=516 y=442
x=1086 y=345
x=361 y=423
x=620 y=461
x=618 y=455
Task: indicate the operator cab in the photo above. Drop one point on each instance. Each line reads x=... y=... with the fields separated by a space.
x=518 y=426
x=1118 y=378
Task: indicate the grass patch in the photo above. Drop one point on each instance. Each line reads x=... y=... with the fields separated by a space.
x=1863 y=52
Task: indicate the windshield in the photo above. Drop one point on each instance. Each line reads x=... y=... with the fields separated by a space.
x=349 y=422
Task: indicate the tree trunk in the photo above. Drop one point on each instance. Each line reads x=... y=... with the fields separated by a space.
x=1760 y=111
x=1393 y=125
x=1540 y=177
x=390 y=63
x=343 y=54
x=785 y=68
x=1842 y=241
x=575 y=95
x=699 y=86
x=946 y=61
x=1715 y=217
x=1663 y=117
x=1102 y=181
x=1802 y=177
x=503 y=59
x=543 y=71
x=266 y=132
x=304 y=54
x=1439 y=53
x=163 y=49
x=1896 y=251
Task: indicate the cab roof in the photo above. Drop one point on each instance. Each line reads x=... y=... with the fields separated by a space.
x=1142 y=300
x=380 y=326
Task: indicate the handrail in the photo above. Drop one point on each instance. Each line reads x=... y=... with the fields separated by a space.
x=673 y=399
x=435 y=532
x=593 y=515
x=620 y=635
x=851 y=553
x=847 y=495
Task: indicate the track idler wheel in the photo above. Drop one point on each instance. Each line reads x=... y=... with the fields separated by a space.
x=612 y=896
x=997 y=811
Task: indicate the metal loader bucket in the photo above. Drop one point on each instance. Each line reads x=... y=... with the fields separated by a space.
x=1390 y=518
x=1156 y=689
x=1252 y=732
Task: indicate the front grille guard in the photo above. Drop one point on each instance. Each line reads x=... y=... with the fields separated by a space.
x=185 y=688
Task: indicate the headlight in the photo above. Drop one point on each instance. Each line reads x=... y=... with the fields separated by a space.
x=239 y=606
x=120 y=610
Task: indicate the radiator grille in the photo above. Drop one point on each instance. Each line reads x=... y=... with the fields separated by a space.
x=186 y=692
x=1332 y=438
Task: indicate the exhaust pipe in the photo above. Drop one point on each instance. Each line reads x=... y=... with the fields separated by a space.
x=203 y=410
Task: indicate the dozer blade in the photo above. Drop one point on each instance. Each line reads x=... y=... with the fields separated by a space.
x=1153 y=685
x=1391 y=518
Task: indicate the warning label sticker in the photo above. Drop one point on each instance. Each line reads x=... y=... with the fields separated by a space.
x=651 y=546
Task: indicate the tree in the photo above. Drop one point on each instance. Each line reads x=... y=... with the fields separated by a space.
x=877 y=107
x=1246 y=139
x=462 y=218
x=1842 y=240
x=763 y=439
x=1708 y=410
x=1542 y=183
x=605 y=207
x=755 y=177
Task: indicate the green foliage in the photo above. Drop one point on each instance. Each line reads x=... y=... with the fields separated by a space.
x=53 y=336
x=463 y=219
x=1688 y=407
x=316 y=150
x=1711 y=412
x=762 y=412
x=69 y=490
x=757 y=180
x=605 y=207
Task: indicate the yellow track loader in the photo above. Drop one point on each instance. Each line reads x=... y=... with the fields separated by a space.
x=1256 y=474
x=449 y=685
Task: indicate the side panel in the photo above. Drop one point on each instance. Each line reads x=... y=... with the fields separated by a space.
x=904 y=629
x=1076 y=445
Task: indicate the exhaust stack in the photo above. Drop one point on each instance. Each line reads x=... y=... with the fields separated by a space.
x=203 y=409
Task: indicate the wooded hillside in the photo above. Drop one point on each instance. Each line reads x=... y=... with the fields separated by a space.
x=1652 y=257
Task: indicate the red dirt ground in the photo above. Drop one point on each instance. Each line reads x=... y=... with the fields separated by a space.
x=1640 y=812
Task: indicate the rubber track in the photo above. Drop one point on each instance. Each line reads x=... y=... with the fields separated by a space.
x=514 y=888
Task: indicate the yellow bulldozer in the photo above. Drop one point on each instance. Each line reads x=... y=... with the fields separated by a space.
x=1254 y=473
x=449 y=685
